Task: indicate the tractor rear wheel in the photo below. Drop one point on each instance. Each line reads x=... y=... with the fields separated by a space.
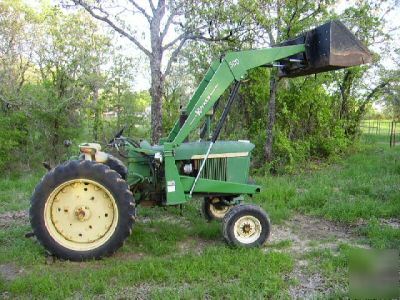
x=114 y=164
x=82 y=210
x=246 y=225
x=117 y=165
x=214 y=208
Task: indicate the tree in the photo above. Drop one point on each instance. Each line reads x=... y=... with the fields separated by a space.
x=280 y=21
x=16 y=49
x=206 y=24
x=70 y=53
x=359 y=86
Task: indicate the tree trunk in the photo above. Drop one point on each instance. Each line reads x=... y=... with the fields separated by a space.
x=345 y=89
x=96 y=122
x=54 y=142
x=157 y=77
x=273 y=87
x=268 y=151
x=156 y=92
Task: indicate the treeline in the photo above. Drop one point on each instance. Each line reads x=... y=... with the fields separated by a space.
x=59 y=76
x=63 y=76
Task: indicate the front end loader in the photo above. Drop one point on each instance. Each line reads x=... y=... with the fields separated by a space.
x=85 y=207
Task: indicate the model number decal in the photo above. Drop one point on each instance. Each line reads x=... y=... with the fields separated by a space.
x=171 y=186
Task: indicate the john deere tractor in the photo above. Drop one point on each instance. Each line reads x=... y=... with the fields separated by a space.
x=85 y=208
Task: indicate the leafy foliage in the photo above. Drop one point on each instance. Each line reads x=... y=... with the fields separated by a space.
x=56 y=84
x=62 y=76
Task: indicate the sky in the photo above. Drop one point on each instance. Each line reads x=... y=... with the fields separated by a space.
x=143 y=79
x=140 y=24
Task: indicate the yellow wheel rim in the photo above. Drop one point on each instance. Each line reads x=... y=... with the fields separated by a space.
x=247 y=229
x=81 y=214
x=219 y=211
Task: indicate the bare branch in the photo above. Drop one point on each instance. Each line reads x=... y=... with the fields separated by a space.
x=198 y=37
x=118 y=29
x=185 y=35
x=141 y=9
x=173 y=13
x=174 y=41
x=173 y=57
x=289 y=27
x=152 y=5
x=312 y=14
x=372 y=95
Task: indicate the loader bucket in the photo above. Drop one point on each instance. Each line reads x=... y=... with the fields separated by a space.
x=330 y=46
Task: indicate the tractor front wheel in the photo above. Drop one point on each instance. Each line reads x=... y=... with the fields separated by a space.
x=246 y=225
x=82 y=210
x=214 y=208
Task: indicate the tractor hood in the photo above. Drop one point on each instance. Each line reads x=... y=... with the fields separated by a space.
x=330 y=46
x=197 y=150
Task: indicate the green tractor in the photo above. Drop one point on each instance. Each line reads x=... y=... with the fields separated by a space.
x=85 y=207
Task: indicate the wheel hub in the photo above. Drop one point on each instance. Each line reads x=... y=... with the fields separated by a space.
x=247 y=229
x=81 y=214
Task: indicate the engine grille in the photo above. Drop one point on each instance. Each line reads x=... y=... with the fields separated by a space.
x=215 y=168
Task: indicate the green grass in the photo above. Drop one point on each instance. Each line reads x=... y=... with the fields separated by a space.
x=333 y=267
x=381 y=236
x=15 y=191
x=363 y=186
x=219 y=272
x=167 y=270
x=381 y=127
x=169 y=256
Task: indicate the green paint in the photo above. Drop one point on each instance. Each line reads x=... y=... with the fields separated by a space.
x=216 y=186
x=226 y=171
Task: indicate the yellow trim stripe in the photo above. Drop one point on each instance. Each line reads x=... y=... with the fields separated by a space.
x=221 y=155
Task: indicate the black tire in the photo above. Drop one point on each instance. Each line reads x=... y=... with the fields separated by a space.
x=212 y=211
x=95 y=172
x=114 y=164
x=117 y=165
x=250 y=211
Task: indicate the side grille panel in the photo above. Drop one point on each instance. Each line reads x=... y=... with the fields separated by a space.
x=215 y=168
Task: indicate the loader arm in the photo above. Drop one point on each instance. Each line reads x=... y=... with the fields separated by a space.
x=195 y=97
x=232 y=67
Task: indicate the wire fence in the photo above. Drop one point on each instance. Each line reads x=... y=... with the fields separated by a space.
x=387 y=131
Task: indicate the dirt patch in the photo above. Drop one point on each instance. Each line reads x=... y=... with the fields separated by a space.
x=128 y=255
x=13 y=218
x=10 y=271
x=306 y=234
x=165 y=218
x=195 y=246
x=141 y=292
x=392 y=222
x=144 y=291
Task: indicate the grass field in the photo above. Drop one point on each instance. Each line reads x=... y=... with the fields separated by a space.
x=382 y=130
x=319 y=217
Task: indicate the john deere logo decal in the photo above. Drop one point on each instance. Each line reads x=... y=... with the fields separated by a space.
x=199 y=110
